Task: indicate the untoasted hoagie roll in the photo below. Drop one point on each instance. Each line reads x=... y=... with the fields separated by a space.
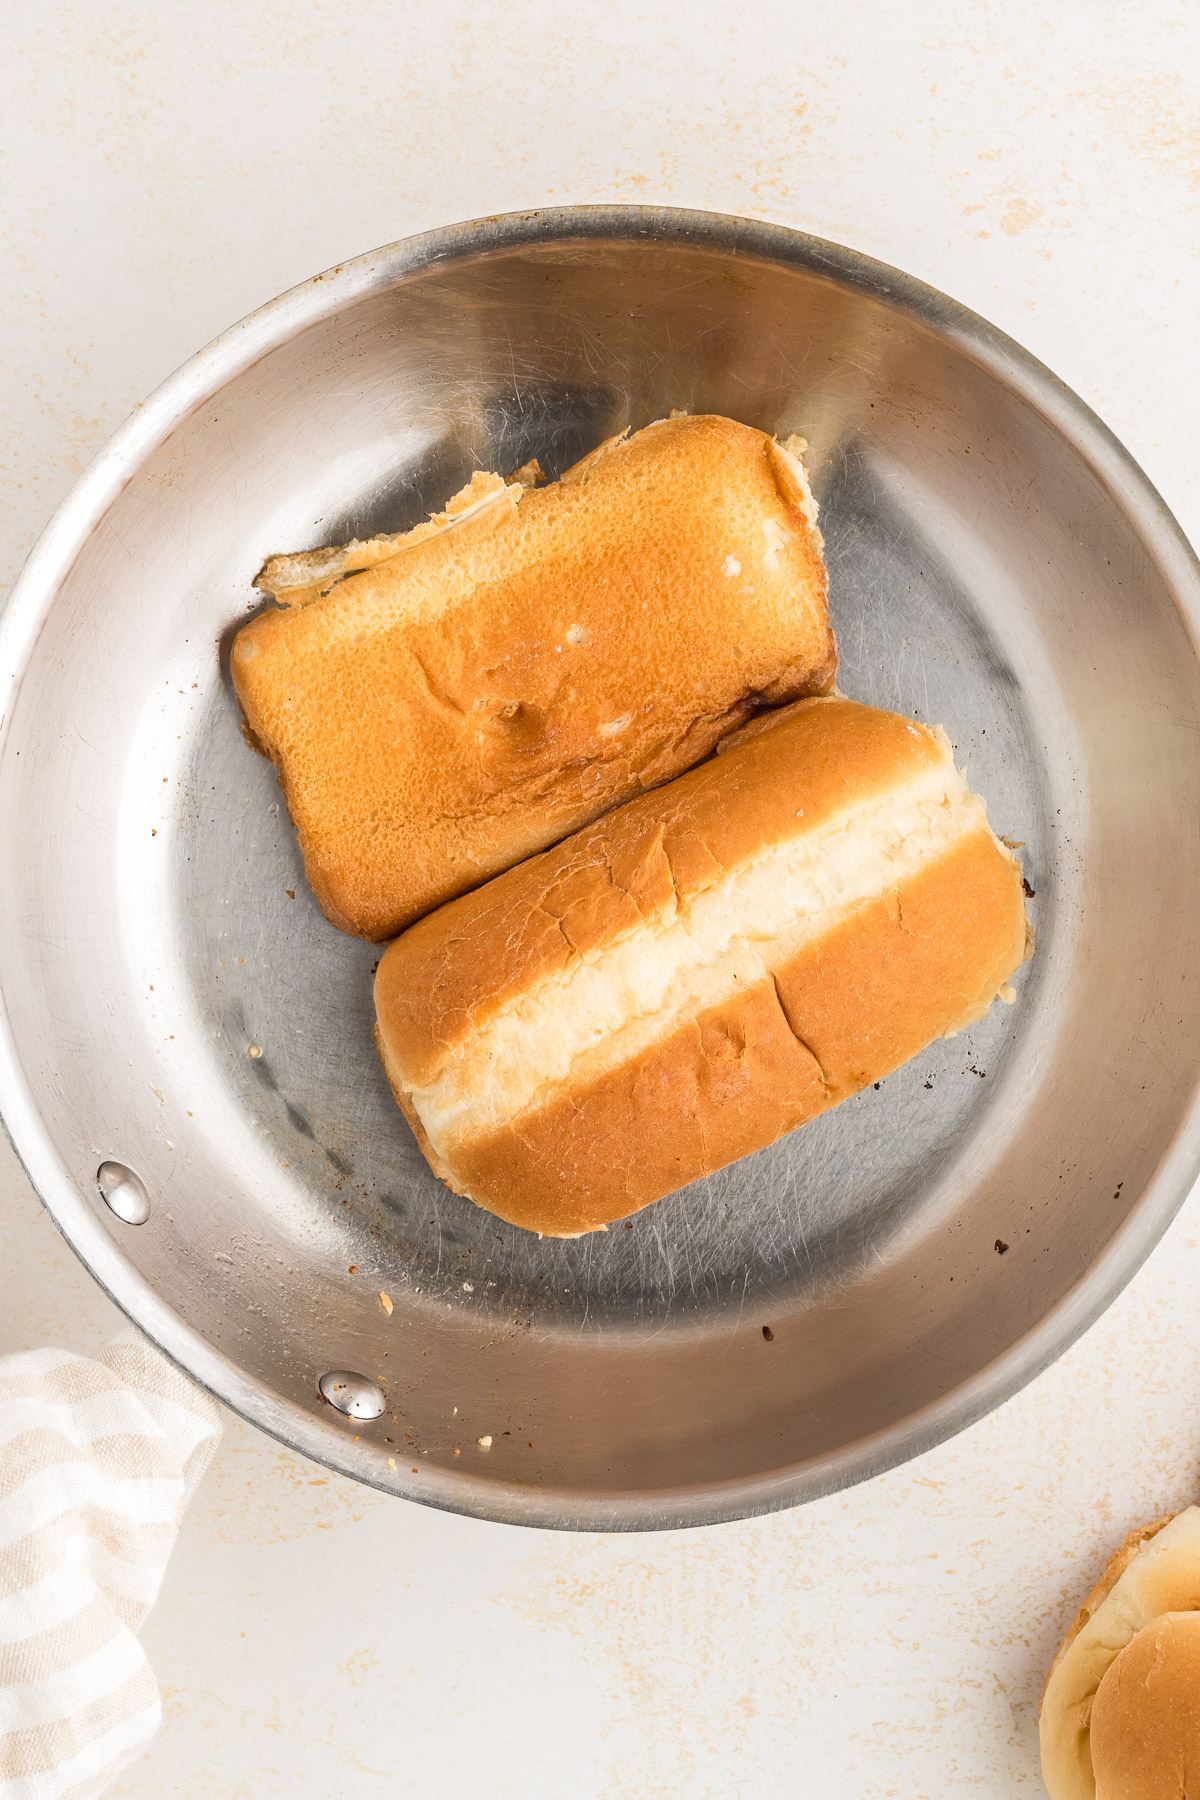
x=703 y=969
x=441 y=704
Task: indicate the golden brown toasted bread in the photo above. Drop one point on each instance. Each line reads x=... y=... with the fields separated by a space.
x=441 y=704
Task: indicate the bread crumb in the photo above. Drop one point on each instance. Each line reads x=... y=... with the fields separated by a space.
x=578 y=634
x=776 y=536
x=468 y=1287
x=485 y=1443
x=385 y=1300
x=254 y=1051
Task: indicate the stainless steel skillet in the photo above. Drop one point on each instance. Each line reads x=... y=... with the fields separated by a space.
x=172 y=1004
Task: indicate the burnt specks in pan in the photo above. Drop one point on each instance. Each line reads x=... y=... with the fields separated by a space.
x=1026 y=889
x=768 y=1334
x=1001 y=1247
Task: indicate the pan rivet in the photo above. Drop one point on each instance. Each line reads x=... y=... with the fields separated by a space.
x=123 y=1193
x=351 y=1394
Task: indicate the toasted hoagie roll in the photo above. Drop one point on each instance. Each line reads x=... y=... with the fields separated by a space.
x=441 y=704
x=701 y=970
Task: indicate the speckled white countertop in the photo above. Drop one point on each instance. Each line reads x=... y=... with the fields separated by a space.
x=165 y=168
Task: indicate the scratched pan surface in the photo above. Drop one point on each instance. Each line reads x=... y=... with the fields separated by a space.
x=997 y=563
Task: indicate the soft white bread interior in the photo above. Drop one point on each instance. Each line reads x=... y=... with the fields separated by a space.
x=702 y=969
x=1121 y=1712
x=440 y=704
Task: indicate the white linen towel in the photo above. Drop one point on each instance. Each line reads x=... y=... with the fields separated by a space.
x=98 y=1460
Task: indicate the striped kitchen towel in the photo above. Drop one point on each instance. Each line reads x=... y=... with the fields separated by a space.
x=98 y=1460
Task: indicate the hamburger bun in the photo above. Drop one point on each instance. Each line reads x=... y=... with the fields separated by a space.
x=1121 y=1712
